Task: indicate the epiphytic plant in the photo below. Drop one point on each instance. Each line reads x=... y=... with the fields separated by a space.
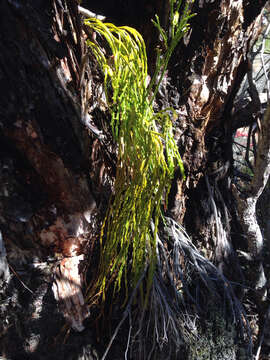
x=147 y=152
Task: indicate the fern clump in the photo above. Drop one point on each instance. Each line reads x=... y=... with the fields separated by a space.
x=147 y=152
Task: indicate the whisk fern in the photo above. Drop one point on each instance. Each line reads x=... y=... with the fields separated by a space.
x=147 y=152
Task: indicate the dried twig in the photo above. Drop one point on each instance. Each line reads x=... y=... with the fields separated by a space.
x=262 y=59
x=20 y=280
x=248 y=148
x=89 y=14
x=125 y=315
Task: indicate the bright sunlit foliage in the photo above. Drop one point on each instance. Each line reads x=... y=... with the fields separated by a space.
x=147 y=152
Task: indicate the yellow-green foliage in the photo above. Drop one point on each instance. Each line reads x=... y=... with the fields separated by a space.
x=144 y=169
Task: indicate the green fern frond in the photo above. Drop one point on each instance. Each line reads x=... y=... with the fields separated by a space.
x=144 y=170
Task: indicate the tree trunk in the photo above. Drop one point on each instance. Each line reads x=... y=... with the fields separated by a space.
x=58 y=165
x=47 y=207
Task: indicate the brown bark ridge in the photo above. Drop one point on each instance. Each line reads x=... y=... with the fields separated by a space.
x=48 y=212
x=206 y=76
x=211 y=62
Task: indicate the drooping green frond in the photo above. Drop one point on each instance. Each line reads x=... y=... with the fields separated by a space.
x=147 y=152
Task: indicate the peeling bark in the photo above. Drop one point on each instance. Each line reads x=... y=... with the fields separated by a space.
x=215 y=54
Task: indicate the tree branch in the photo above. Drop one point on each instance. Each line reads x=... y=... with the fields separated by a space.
x=247 y=206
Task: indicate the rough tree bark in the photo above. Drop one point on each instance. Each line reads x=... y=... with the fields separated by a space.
x=57 y=162
x=47 y=206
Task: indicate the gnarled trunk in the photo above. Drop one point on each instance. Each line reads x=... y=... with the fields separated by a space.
x=58 y=166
